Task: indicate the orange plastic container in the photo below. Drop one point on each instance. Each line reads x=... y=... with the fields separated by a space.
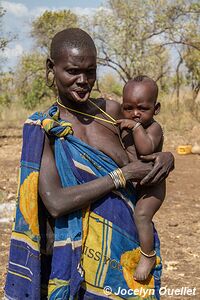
x=184 y=149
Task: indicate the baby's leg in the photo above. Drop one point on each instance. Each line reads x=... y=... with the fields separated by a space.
x=149 y=201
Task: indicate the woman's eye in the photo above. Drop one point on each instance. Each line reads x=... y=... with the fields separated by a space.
x=91 y=71
x=72 y=71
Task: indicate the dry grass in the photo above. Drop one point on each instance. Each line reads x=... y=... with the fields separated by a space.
x=16 y=114
x=180 y=126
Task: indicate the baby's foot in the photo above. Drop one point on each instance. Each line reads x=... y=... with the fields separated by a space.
x=144 y=267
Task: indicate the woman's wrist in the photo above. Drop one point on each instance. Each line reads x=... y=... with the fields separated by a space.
x=118 y=178
x=136 y=170
x=127 y=174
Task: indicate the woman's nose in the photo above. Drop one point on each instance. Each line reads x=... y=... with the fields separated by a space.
x=82 y=79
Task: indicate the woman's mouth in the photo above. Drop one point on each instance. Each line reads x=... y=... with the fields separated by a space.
x=80 y=95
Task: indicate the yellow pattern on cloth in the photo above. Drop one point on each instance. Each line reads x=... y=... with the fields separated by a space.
x=94 y=263
x=55 y=284
x=129 y=261
x=29 y=201
x=53 y=125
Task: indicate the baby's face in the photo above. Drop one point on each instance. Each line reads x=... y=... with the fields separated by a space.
x=138 y=103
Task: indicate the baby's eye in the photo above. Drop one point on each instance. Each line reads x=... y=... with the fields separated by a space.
x=143 y=108
x=128 y=108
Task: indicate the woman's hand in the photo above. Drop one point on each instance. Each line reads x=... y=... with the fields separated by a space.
x=153 y=168
x=137 y=170
x=163 y=165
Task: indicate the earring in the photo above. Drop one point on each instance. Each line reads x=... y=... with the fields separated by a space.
x=50 y=82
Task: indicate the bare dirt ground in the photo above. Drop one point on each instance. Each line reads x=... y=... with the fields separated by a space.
x=177 y=221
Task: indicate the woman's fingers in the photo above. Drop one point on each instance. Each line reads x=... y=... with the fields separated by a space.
x=163 y=164
x=149 y=178
x=150 y=157
x=157 y=179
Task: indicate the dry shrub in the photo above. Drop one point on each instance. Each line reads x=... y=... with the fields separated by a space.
x=181 y=125
x=16 y=114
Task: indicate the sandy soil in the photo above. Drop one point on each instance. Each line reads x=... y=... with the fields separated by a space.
x=177 y=221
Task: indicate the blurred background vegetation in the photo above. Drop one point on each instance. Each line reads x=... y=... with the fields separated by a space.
x=160 y=39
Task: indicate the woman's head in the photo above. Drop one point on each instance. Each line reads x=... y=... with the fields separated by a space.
x=71 y=38
x=73 y=63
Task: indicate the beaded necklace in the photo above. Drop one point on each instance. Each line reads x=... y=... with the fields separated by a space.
x=111 y=121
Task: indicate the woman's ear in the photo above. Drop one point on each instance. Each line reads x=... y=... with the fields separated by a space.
x=157 y=108
x=49 y=65
x=50 y=76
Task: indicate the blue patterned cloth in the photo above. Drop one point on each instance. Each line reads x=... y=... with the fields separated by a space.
x=94 y=247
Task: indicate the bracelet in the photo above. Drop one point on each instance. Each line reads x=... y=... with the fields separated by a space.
x=136 y=126
x=148 y=255
x=118 y=178
x=122 y=178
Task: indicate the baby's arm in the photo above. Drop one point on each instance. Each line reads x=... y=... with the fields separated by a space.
x=147 y=140
x=127 y=139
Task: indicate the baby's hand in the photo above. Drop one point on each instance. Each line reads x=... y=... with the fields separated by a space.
x=126 y=123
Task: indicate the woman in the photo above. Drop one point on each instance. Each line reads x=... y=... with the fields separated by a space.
x=74 y=233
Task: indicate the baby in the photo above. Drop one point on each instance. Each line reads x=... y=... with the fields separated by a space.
x=142 y=135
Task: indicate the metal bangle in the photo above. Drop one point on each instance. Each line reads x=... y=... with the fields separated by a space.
x=118 y=178
x=136 y=126
x=148 y=255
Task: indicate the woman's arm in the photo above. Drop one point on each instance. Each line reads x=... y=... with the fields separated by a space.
x=61 y=201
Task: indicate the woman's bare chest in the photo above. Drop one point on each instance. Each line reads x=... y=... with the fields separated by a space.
x=102 y=137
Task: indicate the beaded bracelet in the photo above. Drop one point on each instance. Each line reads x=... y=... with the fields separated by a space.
x=118 y=178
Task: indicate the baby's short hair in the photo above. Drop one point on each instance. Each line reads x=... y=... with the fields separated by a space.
x=146 y=79
x=71 y=38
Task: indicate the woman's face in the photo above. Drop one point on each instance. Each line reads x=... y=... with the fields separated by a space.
x=75 y=74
